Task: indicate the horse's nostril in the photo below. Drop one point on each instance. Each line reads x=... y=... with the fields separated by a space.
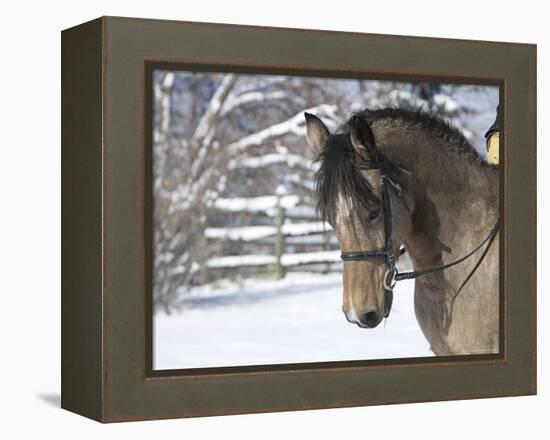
x=371 y=319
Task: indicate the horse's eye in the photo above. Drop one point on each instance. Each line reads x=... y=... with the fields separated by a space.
x=373 y=215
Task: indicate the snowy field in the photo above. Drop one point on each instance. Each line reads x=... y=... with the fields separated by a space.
x=293 y=320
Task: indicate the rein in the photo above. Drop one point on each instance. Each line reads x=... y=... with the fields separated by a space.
x=387 y=256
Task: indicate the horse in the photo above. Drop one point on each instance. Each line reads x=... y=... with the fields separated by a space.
x=391 y=178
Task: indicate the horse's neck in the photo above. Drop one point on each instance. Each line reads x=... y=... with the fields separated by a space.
x=456 y=199
x=450 y=220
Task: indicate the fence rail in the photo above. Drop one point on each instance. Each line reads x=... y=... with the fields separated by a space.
x=292 y=225
x=252 y=233
x=287 y=260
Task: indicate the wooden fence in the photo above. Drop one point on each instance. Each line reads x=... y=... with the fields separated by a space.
x=286 y=229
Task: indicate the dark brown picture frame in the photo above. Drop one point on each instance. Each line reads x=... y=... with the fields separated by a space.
x=106 y=213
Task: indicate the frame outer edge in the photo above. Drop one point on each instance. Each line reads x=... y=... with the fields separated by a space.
x=534 y=78
x=81 y=215
x=127 y=396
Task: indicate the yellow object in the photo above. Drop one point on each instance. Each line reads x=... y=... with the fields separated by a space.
x=492 y=148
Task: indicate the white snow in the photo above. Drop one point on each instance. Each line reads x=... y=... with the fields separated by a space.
x=244 y=233
x=255 y=204
x=168 y=80
x=446 y=102
x=291 y=160
x=253 y=233
x=234 y=101
x=298 y=179
x=302 y=211
x=297 y=319
x=294 y=229
x=241 y=260
x=164 y=92
x=317 y=239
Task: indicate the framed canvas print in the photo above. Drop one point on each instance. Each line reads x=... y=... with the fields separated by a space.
x=263 y=219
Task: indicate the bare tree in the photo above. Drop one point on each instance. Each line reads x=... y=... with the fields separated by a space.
x=192 y=165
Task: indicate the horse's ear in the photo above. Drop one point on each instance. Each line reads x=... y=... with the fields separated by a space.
x=316 y=133
x=361 y=135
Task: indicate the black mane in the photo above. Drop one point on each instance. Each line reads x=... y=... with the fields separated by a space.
x=444 y=130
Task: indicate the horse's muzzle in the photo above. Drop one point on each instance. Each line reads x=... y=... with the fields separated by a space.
x=371 y=319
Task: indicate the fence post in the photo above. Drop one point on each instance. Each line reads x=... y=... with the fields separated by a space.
x=280 y=238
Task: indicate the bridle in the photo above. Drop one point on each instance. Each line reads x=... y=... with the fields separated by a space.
x=387 y=255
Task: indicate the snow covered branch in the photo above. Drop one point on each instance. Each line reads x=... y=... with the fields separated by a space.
x=163 y=91
x=207 y=120
x=255 y=204
x=291 y=161
x=294 y=125
x=233 y=101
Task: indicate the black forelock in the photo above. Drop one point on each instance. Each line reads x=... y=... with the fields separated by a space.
x=339 y=178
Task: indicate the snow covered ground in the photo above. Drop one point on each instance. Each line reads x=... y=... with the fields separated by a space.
x=297 y=319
